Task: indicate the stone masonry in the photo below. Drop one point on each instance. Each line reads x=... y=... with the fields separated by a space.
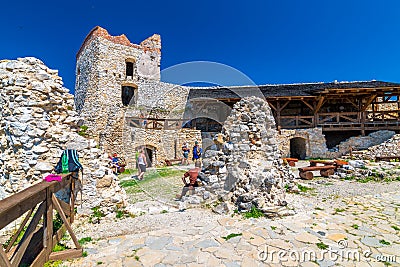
x=37 y=123
x=101 y=73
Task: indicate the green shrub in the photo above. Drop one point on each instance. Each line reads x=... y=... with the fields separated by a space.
x=253 y=213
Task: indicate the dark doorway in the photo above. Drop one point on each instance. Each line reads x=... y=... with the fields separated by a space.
x=149 y=156
x=128 y=95
x=298 y=148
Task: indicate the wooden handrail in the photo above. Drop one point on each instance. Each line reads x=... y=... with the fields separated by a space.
x=35 y=247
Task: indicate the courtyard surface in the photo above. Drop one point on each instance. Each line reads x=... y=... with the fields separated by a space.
x=342 y=223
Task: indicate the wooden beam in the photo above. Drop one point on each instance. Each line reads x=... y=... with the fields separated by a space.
x=321 y=101
x=308 y=105
x=66 y=222
x=369 y=101
x=66 y=254
x=284 y=105
x=21 y=227
x=19 y=252
x=3 y=258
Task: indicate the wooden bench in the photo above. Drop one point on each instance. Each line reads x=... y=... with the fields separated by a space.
x=169 y=162
x=291 y=161
x=325 y=171
x=323 y=162
x=386 y=158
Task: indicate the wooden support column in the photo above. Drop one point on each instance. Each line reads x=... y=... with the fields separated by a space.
x=278 y=114
x=320 y=102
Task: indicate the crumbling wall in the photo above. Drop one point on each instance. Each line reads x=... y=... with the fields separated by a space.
x=100 y=75
x=37 y=123
x=245 y=166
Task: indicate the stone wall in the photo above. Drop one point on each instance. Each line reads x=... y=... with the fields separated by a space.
x=314 y=139
x=244 y=167
x=37 y=123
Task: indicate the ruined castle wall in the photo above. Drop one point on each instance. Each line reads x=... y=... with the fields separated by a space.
x=101 y=73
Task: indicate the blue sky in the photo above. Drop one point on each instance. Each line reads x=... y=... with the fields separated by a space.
x=270 y=41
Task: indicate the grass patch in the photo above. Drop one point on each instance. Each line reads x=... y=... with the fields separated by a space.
x=273 y=228
x=322 y=245
x=384 y=242
x=303 y=188
x=231 y=236
x=337 y=210
x=84 y=240
x=53 y=263
x=96 y=215
x=318 y=208
x=395 y=228
x=82 y=130
x=355 y=226
x=60 y=247
x=84 y=254
x=253 y=213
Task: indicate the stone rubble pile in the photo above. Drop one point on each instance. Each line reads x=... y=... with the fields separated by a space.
x=390 y=147
x=245 y=166
x=360 y=143
x=38 y=122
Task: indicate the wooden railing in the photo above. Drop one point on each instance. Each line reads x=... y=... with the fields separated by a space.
x=38 y=203
x=297 y=121
x=155 y=123
x=338 y=117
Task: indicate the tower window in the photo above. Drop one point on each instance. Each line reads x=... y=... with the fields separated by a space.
x=129 y=68
x=128 y=95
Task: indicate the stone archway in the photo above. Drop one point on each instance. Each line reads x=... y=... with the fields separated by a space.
x=150 y=152
x=298 y=148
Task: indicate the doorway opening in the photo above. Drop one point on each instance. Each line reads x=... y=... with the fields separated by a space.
x=298 y=148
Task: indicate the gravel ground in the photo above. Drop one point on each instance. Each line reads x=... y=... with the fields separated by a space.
x=327 y=193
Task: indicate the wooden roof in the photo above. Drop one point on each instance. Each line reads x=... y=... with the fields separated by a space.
x=290 y=90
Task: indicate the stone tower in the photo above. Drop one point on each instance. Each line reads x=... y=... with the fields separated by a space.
x=109 y=74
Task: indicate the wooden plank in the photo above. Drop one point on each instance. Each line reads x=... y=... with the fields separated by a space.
x=60 y=211
x=66 y=254
x=21 y=227
x=48 y=226
x=3 y=258
x=19 y=252
x=316 y=168
x=40 y=260
x=321 y=101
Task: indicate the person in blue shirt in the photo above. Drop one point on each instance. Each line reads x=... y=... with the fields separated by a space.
x=197 y=151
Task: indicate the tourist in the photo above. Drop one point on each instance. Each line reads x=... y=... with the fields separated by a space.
x=197 y=151
x=142 y=162
x=137 y=153
x=115 y=163
x=192 y=174
x=185 y=151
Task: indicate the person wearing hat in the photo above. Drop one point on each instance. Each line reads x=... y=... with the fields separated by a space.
x=197 y=151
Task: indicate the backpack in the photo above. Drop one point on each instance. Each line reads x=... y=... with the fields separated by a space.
x=69 y=162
